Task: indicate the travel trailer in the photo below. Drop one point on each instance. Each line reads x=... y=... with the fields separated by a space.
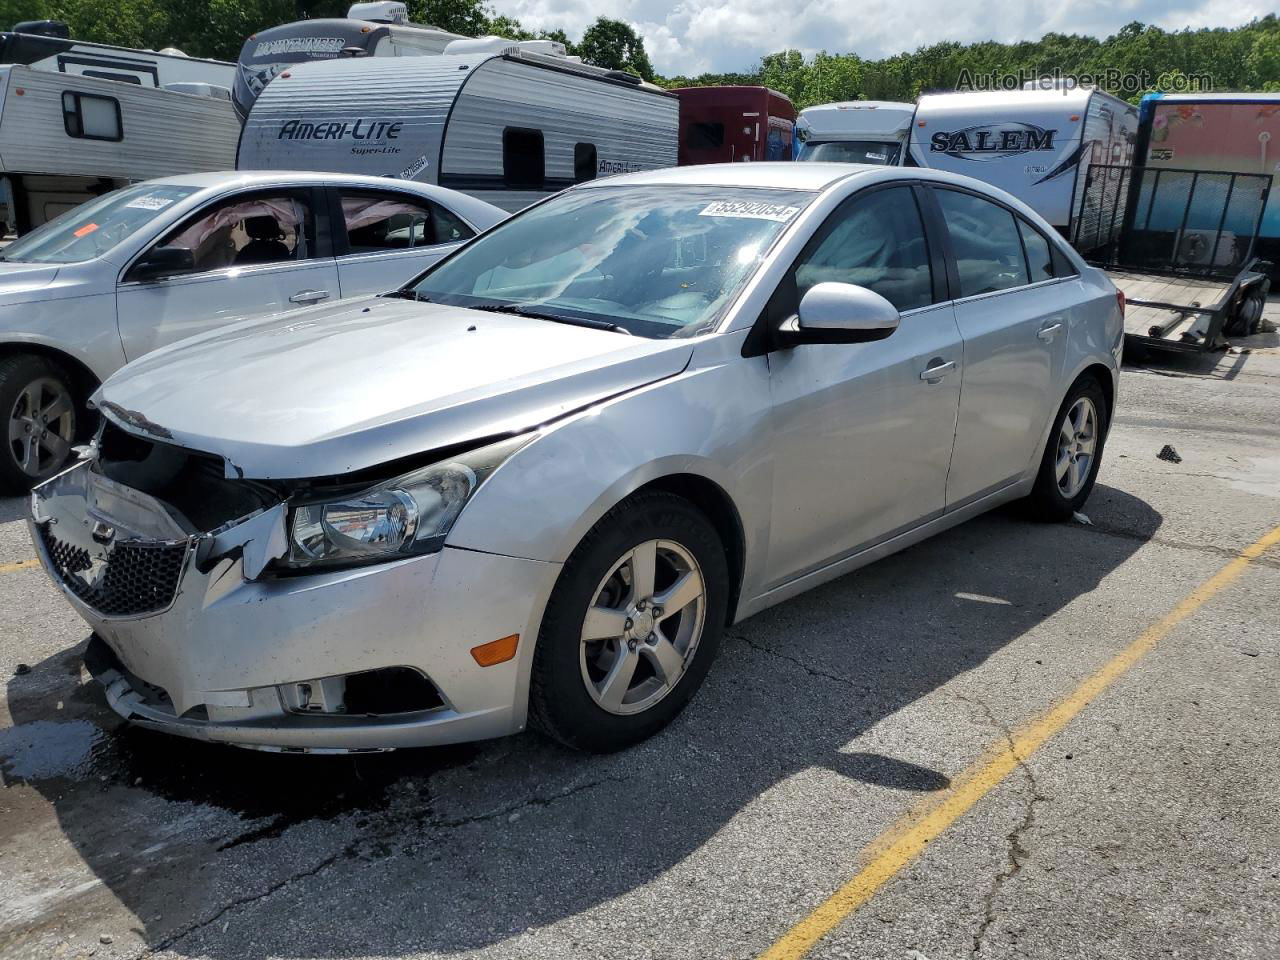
x=1215 y=133
x=856 y=131
x=506 y=122
x=66 y=138
x=369 y=30
x=1036 y=143
x=46 y=45
x=728 y=124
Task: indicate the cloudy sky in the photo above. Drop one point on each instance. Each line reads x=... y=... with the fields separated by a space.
x=692 y=36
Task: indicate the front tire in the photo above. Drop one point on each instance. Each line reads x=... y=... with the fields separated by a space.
x=632 y=625
x=1073 y=453
x=39 y=408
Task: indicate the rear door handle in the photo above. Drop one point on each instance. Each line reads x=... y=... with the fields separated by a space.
x=1049 y=331
x=937 y=371
x=309 y=296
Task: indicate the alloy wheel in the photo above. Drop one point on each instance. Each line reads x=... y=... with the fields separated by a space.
x=643 y=626
x=1077 y=446
x=42 y=425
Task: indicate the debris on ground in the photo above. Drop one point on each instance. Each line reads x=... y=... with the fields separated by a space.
x=1079 y=517
x=1168 y=453
x=21 y=669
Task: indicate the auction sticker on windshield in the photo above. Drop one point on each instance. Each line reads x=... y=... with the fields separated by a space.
x=749 y=210
x=149 y=201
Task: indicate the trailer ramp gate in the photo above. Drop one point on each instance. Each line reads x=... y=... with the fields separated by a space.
x=1180 y=244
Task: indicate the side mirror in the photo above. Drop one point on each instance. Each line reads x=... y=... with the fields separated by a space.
x=839 y=313
x=163 y=262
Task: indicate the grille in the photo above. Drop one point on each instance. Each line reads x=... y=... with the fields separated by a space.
x=139 y=578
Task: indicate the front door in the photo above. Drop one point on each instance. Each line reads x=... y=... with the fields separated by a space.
x=863 y=434
x=391 y=237
x=1013 y=315
x=253 y=253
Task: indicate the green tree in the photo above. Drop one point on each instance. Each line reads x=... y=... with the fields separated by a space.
x=615 y=45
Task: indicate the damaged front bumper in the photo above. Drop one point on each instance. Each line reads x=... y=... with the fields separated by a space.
x=196 y=636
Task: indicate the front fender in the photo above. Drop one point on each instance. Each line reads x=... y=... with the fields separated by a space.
x=712 y=421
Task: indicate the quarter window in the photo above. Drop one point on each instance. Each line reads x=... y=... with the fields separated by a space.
x=376 y=222
x=523 y=157
x=91 y=117
x=876 y=241
x=985 y=242
x=1039 y=255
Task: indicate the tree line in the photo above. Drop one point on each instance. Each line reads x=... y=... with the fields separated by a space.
x=1134 y=60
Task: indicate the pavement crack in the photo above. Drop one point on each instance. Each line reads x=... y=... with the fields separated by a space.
x=812 y=671
x=533 y=801
x=1208 y=549
x=1016 y=854
x=174 y=938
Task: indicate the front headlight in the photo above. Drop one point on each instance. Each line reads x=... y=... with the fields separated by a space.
x=401 y=517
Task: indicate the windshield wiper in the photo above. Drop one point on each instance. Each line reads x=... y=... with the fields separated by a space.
x=520 y=310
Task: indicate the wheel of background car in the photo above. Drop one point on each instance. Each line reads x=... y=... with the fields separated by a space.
x=40 y=410
x=632 y=626
x=1069 y=466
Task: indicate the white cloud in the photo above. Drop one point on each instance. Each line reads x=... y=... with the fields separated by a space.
x=692 y=36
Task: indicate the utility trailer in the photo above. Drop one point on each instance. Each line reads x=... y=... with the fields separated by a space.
x=1181 y=246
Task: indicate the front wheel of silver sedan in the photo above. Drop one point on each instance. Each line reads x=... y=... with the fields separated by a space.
x=40 y=413
x=632 y=625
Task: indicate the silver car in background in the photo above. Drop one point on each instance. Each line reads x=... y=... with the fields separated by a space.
x=156 y=262
x=538 y=482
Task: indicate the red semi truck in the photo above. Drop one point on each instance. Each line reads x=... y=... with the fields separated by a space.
x=728 y=124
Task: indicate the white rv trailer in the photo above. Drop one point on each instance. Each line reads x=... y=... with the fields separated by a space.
x=66 y=138
x=506 y=122
x=53 y=52
x=1036 y=143
x=855 y=131
x=369 y=30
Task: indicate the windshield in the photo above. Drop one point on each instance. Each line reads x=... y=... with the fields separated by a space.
x=878 y=152
x=655 y=261
x=93 y=228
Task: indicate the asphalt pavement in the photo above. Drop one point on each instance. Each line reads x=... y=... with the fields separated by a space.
x=835 y=730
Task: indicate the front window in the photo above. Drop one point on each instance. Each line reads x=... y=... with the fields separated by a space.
x=655 y=261
x=93 y=228
x=876 y=152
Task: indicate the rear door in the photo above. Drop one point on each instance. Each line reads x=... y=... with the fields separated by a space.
x=1014 y=308
x=383 y=238
x=254 y=252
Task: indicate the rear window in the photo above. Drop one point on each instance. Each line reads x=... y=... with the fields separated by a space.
x=985 y=241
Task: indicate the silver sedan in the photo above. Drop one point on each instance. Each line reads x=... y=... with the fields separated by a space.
x=536 y=484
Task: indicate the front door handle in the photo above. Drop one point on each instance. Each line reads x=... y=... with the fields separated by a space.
x=1049 y=331
x=937 y=371
x=309 y=296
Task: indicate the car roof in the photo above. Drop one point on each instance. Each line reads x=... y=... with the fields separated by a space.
x=789 y=175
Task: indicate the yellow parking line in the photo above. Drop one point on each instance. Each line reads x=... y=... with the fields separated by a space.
x=19 y=565
x=905 y=840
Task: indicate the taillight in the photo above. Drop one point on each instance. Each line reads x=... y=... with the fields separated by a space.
x=1120 y=300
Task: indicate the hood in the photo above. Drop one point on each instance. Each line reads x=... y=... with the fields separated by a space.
x=19 y=278
x=342 y=388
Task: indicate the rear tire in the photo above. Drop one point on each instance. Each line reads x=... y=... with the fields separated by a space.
x=614 y=665
x=1073 y=453
x=38 y=409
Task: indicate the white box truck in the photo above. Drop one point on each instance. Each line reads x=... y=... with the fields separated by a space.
x=855 y=131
